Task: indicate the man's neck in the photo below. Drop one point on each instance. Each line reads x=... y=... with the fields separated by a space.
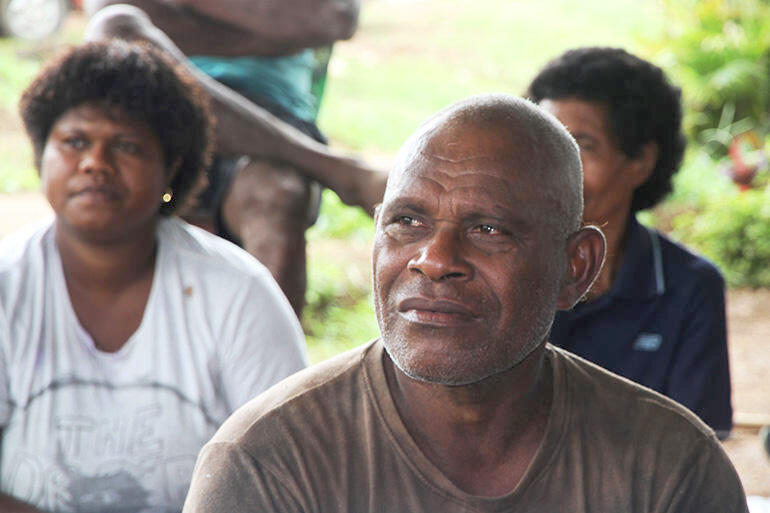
x=481 y=436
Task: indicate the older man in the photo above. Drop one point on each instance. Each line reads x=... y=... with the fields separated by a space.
x=462 y=405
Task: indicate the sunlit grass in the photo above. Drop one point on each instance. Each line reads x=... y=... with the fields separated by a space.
x=19 y=62
x=410 y=58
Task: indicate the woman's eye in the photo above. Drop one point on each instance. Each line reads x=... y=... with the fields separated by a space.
x=406 y=221
x=75 y=142
x=128 y=147
x=585 y=143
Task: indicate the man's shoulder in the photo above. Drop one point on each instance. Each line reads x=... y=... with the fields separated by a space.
x=616 y=404
x=310 y=400
x=630 y=445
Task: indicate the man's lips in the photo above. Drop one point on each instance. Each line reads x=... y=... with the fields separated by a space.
x=435 y=311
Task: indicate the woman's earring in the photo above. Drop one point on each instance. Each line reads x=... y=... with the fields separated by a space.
x=167 y=196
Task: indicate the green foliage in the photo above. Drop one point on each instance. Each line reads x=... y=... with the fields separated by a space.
x=338 y=314
x=15 y=73
x=17 y=172
x=338 y=221
x=19 y=62
x=734 y=231
x=411 y=58
x=16 y=169
x=700 y=180
x=709 y=213
x=719 y=52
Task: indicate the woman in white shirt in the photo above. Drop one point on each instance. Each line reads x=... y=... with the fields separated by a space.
x=126 y=335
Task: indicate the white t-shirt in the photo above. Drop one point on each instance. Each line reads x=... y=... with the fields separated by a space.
x=84 y=430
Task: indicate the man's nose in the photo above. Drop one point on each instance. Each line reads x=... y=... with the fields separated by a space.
x=442 y=256
x=97 y=159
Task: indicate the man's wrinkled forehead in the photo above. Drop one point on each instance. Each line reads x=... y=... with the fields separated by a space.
x=459 y=147
x=507 y=148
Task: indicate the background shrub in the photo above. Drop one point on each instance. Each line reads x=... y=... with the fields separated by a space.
x=718 y=51
x=734 y=232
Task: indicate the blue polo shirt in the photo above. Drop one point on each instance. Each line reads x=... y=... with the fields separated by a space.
x=662 y=324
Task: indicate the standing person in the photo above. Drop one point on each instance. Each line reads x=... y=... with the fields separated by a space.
x=262 y=194
x=656 y=314
x=126 y=335
x=462 y=405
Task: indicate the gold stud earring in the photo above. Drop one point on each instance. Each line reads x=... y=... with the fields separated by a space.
x=167 y=196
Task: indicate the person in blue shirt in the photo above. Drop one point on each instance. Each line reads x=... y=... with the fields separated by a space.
x=656 y=314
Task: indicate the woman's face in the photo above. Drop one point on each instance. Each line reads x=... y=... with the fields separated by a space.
x=103 y=173
x=608 y=184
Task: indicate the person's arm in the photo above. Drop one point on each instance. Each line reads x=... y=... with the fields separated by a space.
x=305 y=23
x=230 y=28
x=700 y=377
x=245 y=128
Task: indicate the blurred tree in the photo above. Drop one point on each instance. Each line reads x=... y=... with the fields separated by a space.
x=719 y=52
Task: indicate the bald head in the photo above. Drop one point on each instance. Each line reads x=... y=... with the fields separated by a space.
x=502 y=127
x=478 y=241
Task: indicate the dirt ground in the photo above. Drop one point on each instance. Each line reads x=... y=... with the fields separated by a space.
x=748 y=315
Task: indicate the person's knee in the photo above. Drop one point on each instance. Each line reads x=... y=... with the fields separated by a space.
x=117 y=21
x=273 y=190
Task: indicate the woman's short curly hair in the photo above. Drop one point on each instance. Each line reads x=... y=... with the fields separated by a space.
x=144 y=83
x=643 y=106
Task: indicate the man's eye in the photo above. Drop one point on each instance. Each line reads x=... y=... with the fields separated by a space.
x=487 y=229
x=405 y=227
x=406 y=221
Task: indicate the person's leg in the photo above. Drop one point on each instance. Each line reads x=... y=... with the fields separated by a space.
x=266 y=208
x=245 y=128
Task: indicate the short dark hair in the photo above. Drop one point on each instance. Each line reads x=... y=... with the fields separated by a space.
x=642 y=104
x=142 y=81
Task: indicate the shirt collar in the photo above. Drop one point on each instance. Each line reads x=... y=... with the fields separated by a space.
x=641 y=273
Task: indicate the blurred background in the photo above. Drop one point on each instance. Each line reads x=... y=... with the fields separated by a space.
x=409 y=58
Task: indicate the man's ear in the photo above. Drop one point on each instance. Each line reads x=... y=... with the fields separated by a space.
x=585 y=257
x=642 y=166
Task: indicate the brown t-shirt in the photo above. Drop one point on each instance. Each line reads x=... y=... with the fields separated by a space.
x=329 y=439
